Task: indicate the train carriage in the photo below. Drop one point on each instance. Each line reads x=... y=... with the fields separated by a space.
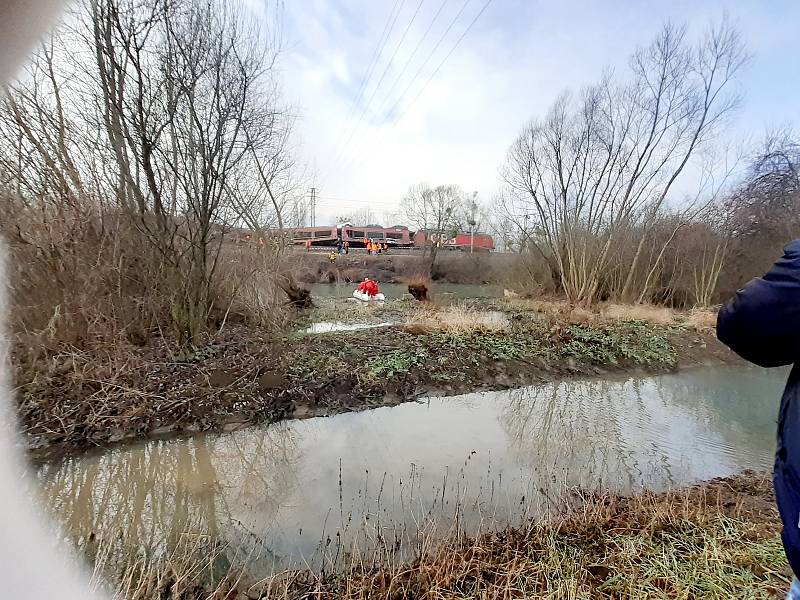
x=357 y=236
x=394 y=237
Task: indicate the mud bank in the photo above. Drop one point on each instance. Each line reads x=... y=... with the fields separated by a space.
x=719 y=539
x=244 y=376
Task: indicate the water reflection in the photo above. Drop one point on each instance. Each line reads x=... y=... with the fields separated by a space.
x=652 y=432
x=281 y=492
x=227 y=488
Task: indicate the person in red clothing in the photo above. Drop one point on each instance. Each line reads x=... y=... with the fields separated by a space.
x=372 y=288
x=368 y=287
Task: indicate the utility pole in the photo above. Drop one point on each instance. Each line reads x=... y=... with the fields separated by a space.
x=313 y=205
x=523 y=243
x=473 y=208
x=525 y=238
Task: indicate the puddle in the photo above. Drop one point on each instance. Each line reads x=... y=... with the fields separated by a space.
x=332 y=326
x=496 y=318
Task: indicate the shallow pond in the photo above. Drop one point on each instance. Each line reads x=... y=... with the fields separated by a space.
x=299 y=491
x=399 y=290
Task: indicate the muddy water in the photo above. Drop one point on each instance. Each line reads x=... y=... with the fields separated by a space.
x=399 y=290
x=295 y=492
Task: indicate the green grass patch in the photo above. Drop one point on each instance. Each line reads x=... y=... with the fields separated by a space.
x=397 y=362
x=633 y=341
x=393 y=354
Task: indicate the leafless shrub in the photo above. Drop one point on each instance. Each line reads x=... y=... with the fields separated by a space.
x=80 y=278
x=594 y=175
x=139 y=135
x=248 y=288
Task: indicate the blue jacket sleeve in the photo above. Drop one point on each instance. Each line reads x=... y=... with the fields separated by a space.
x=762 y=323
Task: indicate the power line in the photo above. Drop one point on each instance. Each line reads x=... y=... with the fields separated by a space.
x=430 y=55
x=438 y=68
x=423 y=65
x=414 y=52
x=365 y=81
x=384 y=37
x=383 y=75
x=463 y=35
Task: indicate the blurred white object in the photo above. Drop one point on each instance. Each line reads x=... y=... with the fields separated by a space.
x=22 y=23
x=366 y=297
x=31 y=565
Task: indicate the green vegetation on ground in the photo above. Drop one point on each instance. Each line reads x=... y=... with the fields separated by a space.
x=245 y=375
x=390 y=356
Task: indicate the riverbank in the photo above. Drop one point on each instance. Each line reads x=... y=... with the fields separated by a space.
x=719 y=539
x=79 y=400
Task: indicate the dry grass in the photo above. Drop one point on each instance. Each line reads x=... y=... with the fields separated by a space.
x=189 y=571
x=643 y=549
x=556 y=309
x=78 y=278
x=702 y=319
x=716 y=541
x=698 y=319
x=248 y=288
x=456 y=319
x=658 y=315
x=85 y=278
x=347 y=311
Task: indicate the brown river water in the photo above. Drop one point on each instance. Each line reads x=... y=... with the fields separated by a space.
x=288 y=494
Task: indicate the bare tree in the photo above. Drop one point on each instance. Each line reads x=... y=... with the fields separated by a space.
x=606 y=160
x=185 y=110
x=166 y=114
x=432 y=211
x=762 y=214
x=701 y=207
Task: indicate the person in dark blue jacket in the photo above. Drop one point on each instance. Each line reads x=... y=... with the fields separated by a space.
x=762 y=325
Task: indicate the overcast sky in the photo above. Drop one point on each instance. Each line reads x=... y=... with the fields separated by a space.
x=365 y=144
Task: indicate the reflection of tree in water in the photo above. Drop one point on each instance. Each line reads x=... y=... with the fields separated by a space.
x=588 y=433
x=621 y=434
x=738 y=404
x=147 y=498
